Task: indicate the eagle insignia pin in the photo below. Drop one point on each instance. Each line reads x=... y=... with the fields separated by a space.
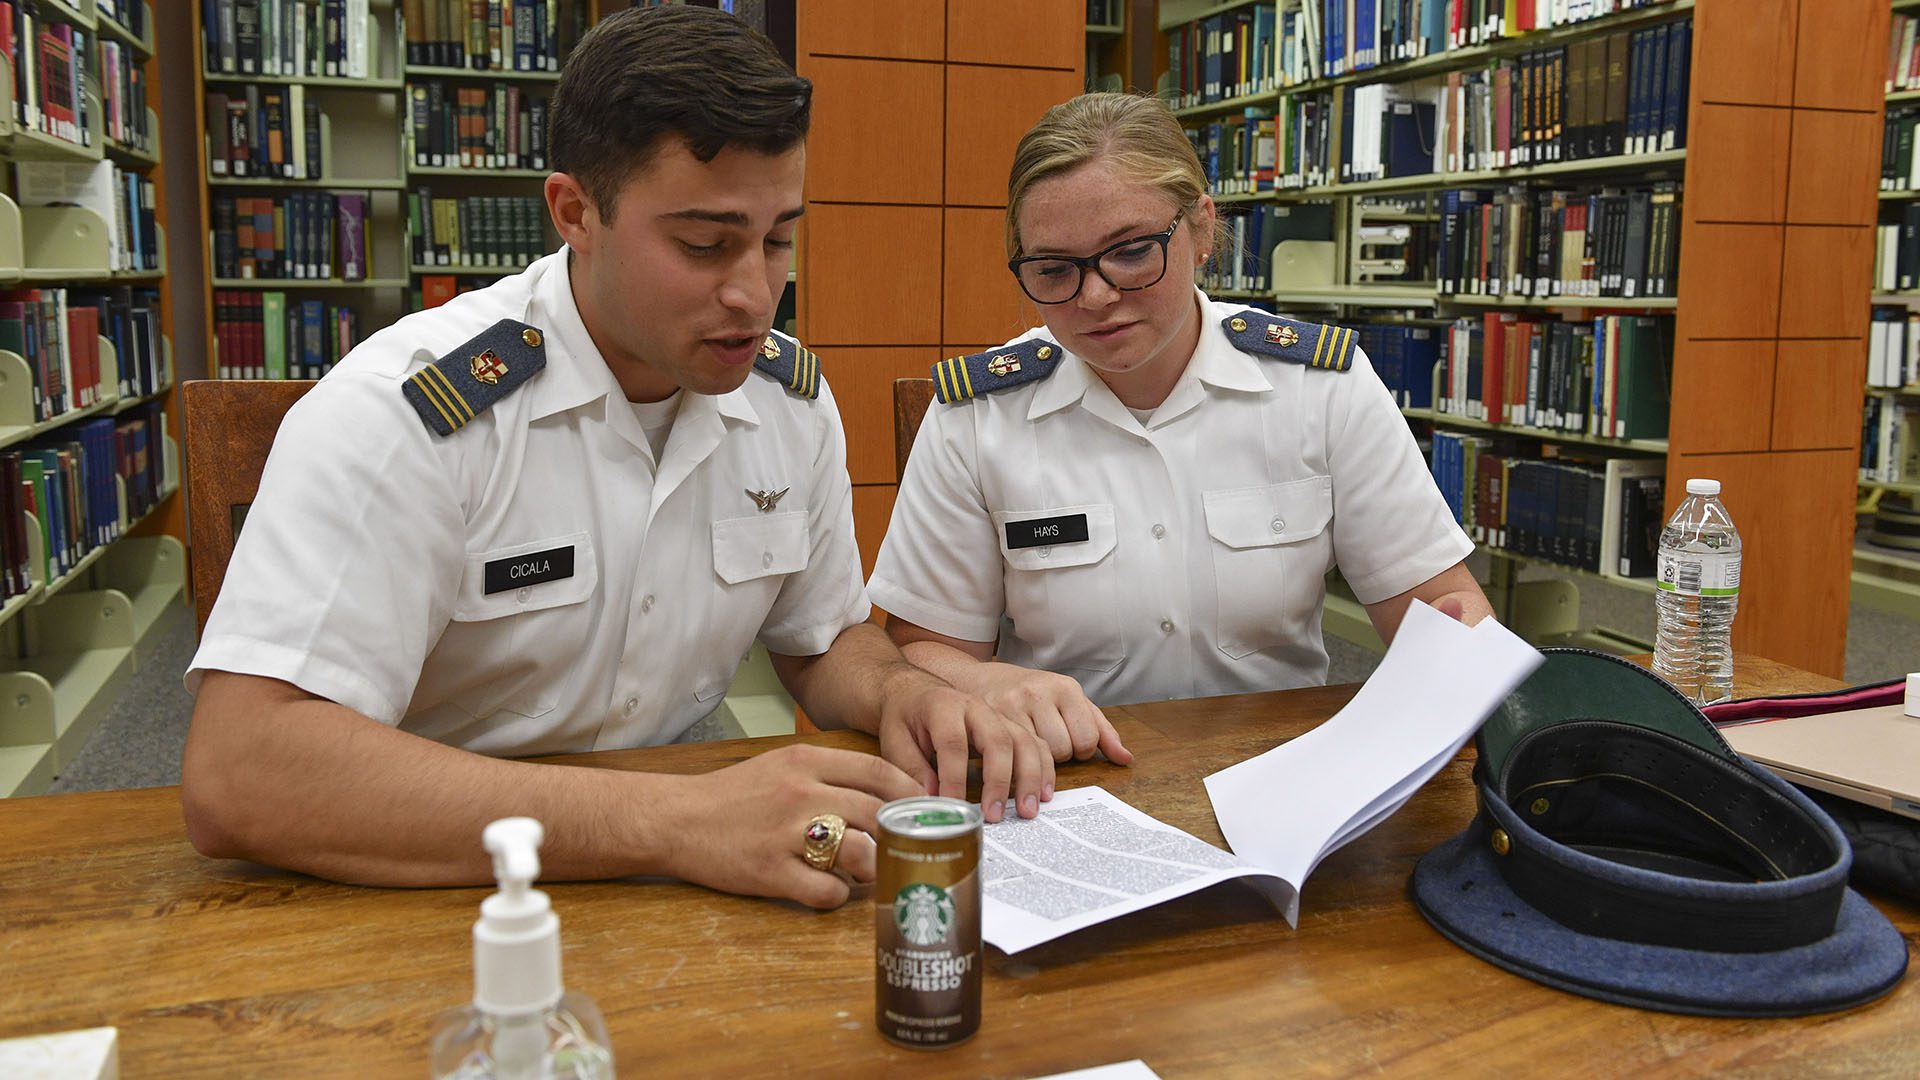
x=766 y=500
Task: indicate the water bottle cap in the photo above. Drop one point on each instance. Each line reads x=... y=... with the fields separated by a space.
x=1703 y=487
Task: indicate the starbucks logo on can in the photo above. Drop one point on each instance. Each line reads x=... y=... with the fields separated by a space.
x=924 y=913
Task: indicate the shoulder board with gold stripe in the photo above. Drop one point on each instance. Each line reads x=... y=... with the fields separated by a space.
x=466 y=382
x=1317 y=345
x=961 y=378
x=790 y=364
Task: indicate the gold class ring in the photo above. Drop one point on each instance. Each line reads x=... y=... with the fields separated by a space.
x=824 y=834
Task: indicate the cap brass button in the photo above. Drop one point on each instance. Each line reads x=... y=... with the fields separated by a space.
x=1502 y=843
x=1044 y=352
x=1539 y=807
x=531 y=337
x=1237 y=323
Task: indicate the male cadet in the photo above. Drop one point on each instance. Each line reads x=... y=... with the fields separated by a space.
x=552 y=515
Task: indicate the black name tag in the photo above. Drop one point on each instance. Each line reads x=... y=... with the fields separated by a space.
x=532 y=568
x=1044 y=532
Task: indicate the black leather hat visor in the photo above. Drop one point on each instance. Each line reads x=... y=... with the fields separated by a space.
x=1647 y=863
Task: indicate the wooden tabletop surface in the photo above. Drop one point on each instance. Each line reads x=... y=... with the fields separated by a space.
x=108 y=917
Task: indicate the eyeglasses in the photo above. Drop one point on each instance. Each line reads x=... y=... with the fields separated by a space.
x=1128 y=266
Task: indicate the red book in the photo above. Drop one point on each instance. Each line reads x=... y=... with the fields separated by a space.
x=83 y=342
x=437 y=289
x=1493 y=372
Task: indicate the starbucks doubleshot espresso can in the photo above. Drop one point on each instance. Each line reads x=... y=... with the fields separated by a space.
x=926 y=915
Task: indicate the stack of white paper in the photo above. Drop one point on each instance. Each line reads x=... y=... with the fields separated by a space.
x=1089 y=857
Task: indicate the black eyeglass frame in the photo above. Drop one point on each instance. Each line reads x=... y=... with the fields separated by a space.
x=1092 y=262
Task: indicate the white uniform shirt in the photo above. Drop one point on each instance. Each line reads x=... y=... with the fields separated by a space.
x=1210 y=528
x=360 y=573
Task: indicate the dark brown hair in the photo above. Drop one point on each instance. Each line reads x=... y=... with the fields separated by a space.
x=643 y=76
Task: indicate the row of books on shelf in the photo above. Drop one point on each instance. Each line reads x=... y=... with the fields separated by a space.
x=1322 y=38
x=333 y=38
x=57 y=331
x=1547 y=242
x=1893 y=349
x=261 y=334
x=52 y=63
x=70 y=483
x=314 y=235
x=126 y=201
x=1592 y=513
x=266 y=131
x=1890 y=441
x=492 y=35
x=1224 y=56
x=1899 y=150
x=479 y=127
x=1105 y=12
x=1238 y=151
x=475 y=230
x=123 y=93
x=1609 y=377
x=131 y=14
x=432 y=290
x=1245 y=262
x=1903 y=54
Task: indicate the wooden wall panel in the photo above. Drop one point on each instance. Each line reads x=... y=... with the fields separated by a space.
x=900 y=29
x=872 y=509
x=876 y=132
x=1737 y=378
x=862 y=381
x=1743 y=51
x=1729 y=280
x=988 y=109
x=871 y=276
x=1835 y=41
x=1026 y=33
x=1826 y=272
x=983 y=302
x=1796 y=553
x=1816 y=393
x=1836 y=161
x=1737 y=164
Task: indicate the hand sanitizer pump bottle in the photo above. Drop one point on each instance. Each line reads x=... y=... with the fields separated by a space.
x=521 y=1024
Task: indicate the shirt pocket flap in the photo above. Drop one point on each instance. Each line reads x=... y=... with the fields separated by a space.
x=745 y=548
x=533 y=576
x=1099 y=541
x=1273 y=514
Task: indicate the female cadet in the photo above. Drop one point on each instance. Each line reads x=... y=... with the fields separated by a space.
x=1143 y=497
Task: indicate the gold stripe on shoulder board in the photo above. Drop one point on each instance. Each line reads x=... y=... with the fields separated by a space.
x=452 y=393
x=431 y=393
x=961 y=364
x=940 y=374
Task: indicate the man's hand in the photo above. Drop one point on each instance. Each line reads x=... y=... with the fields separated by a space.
x=1054 y=706
x=927 y=727
x=743 y=828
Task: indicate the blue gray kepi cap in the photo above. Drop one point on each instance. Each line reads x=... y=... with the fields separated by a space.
x=1623 y=851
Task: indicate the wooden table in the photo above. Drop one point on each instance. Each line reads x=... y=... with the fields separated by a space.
x=107 y=916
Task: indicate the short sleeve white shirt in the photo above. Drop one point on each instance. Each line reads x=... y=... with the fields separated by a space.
x=1210 y=527
x=361 y=574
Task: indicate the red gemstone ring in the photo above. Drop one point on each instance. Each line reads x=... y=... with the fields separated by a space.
x=824 y=834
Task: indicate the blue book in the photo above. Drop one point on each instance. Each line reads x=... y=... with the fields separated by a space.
x=1657 y=41
x=1679 y=63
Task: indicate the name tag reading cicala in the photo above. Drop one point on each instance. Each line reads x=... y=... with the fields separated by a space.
x=1047 y=531
x=533 y=568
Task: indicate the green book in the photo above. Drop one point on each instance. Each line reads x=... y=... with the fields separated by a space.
x=273 y=307
x=33 y=474
x=1643 y=378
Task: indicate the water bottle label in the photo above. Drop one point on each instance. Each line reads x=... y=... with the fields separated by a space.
x=1700 y=573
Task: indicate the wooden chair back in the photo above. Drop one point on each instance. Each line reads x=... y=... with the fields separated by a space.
x=911 y=399
x=230 y=425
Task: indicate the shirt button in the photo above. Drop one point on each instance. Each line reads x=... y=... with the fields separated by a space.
x=1159 y=532
x=526 y=591
x=633 y=703
x=1046 y=552
x=766 y=558
x=646 y=603
x=1279 y=525
x=1166 y=626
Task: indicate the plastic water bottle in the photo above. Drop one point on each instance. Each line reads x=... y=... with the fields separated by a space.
x=1699 y=587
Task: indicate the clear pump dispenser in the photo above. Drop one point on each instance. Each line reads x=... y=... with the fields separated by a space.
x=522 y=1025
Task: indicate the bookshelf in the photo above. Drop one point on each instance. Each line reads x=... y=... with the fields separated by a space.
x=364 y=146
x=77 y=625
x=1771 y=198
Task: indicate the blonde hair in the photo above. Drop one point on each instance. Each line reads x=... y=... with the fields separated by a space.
x=1138 y=134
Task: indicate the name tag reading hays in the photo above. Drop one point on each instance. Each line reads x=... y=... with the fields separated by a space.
x=1042 y=532
x=532 y=568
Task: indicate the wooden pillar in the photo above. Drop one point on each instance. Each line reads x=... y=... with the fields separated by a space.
x=1776 y=255
x=917 y=107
